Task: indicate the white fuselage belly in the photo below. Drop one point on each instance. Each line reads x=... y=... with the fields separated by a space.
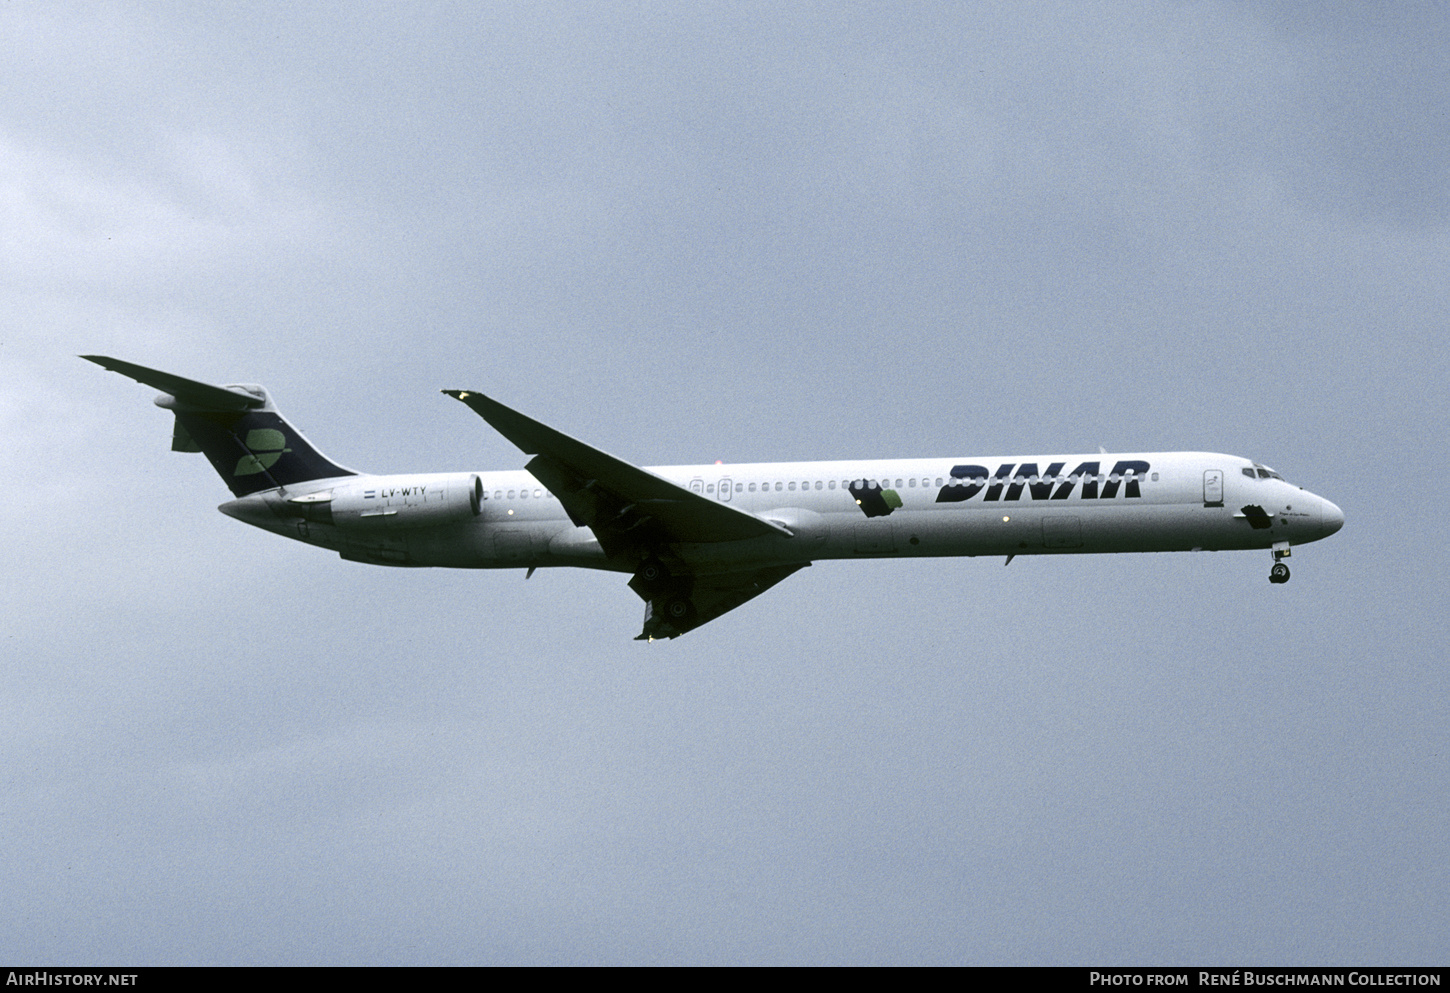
x=1075 y=504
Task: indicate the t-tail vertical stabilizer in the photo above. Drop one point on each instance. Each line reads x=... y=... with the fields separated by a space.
x=237 y=427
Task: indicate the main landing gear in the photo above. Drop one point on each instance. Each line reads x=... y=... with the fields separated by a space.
x=1280 y=572
x=669 y=608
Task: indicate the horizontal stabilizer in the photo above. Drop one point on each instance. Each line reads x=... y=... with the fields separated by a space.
x=203 y=396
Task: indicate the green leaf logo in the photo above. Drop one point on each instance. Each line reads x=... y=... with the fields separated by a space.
x=267 y=445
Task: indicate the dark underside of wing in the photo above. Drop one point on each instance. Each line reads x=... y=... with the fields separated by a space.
x=687 y=602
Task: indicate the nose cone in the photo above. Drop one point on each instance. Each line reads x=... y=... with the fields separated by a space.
x=1331 y=518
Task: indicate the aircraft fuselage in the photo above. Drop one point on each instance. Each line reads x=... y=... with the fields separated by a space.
x=700 y=541
x=1014 y=505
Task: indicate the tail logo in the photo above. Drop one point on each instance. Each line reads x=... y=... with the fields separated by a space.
x=267 y=445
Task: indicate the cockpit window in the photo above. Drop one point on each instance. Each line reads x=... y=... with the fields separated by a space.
x=1265 y=472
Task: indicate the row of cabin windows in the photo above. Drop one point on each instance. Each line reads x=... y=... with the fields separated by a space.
x=926 y=483
x=539 y=494
x=807 y=484
x=519 y=494
x=1116 y=477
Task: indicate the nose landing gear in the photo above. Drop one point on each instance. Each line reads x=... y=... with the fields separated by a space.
x=1280 y=572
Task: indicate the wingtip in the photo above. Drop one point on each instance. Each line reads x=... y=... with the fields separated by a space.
x=107 y=363
x=470 y=398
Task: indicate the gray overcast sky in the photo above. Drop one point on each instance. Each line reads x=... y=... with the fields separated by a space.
x=745 y=232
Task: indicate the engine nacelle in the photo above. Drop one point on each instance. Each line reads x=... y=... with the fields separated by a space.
x=375 y=502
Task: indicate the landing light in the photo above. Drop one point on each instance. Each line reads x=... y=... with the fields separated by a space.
x=1006 y=519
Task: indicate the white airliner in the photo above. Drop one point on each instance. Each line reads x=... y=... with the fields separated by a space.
x=701 y=540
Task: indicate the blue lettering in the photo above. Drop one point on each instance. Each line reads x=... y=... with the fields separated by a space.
x=956 y=492
x=1041 y=490
x=1023 y=471
x=1088 y=473
x=994 y=492
x=1129 y=471
x=969 y=480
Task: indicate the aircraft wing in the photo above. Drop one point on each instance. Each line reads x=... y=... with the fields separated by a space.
x=625 y=506
x=635 y=514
